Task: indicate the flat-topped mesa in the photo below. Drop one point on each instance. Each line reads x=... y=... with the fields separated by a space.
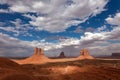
x=62 y=55
x=85 y=54
x=115 y=54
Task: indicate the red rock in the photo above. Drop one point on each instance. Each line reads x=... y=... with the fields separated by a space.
x=38 y=57
x=85 y=54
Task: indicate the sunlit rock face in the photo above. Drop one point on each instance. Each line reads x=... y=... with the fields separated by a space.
x=38 y=51
x=38 y=57
x=85 y=54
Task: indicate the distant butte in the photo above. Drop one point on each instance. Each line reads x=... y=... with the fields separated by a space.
x=38 y=57
x=85 y=54
x=62 y=55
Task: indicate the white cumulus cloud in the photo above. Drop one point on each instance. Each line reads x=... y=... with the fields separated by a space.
x=57 y=15
x=114 y=20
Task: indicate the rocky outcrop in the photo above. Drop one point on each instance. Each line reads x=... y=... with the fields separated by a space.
x=115 y=54
x=38 y=52
x=85 y=54
x=62 y=55
x=38 y=57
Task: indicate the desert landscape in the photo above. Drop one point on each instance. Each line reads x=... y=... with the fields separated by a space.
x=40 y=67
x=59 y=39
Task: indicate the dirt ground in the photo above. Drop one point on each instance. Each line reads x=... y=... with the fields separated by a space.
x=68 y=70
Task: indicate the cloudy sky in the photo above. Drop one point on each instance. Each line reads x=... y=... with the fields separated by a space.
x=59 y=25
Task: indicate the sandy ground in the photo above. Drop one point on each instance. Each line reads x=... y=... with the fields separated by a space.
x=106 y=59
x=61 y=69
x=43 y=61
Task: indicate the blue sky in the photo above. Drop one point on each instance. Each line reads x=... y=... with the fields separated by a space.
x=55 y=26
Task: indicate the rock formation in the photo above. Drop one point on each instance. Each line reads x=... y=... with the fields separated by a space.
x=62 y=55
x=115 y=54
x=85 y=54
x=38 y=57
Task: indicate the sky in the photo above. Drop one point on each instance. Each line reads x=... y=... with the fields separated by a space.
x=59 y=25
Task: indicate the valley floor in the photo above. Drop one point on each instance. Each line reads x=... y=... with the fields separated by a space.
x=96 y=69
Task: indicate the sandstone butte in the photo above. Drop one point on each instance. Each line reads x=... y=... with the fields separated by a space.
x=85 y=54
x=38 y=57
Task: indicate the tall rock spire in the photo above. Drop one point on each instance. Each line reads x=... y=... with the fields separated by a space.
x=35 y=51
x=38 y=51
x=62 y=55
